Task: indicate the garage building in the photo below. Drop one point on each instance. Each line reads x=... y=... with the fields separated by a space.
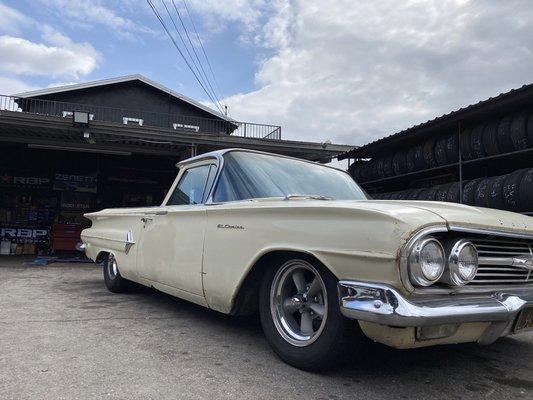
x=111 y=143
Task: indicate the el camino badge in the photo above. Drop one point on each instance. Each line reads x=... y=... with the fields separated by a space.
x=228 y=226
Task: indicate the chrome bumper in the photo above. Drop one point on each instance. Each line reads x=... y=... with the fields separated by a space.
x=384 y=305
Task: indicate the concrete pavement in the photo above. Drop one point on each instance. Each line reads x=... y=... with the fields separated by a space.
x=64 y=336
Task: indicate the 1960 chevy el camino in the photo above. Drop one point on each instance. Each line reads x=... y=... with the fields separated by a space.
x=242 y=231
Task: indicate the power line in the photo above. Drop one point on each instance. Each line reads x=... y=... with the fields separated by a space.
x=158 y=16
x=205 y=82
x=202 y=46
x=195 y=53
x=205 y=85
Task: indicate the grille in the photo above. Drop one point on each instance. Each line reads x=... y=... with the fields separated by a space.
x=499 y=261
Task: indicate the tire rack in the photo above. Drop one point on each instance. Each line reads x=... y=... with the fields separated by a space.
x=457 y=167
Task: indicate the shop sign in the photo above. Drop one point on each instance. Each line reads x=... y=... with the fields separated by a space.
x=23 y=233
x=19 y=180
x=75 y=201
x=75 y=183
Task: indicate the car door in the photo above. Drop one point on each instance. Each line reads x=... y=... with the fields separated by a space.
x=172 y=241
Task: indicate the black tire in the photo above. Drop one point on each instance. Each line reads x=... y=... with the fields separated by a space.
x=466 y=145
x=113 y=280
x=420 y=163
x=441 y=157
x=355 y=171
x=429 y=153
x=490 y=138
x=481 y=198
x=331 y=346
x=530 y=130
x=366 y=171
x=410 y=160
x=427 y=194
x=394 y=196
x=452 y=148
x=399 y=165
x=403 y=194
x=511 y=190
x=476 y=140
x=442 y=192
x=495 y=194
x=518 y=131
x=413 y=194
x=469 y=191
x=454 y=194
x=387 y=166
x=379 y=168
x=526 y=191
x=505 y=144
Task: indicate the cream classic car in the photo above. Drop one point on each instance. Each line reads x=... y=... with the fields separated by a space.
x=242 y=232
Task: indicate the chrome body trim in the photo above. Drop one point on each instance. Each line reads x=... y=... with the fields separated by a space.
x=517 y=235
x=382 y=304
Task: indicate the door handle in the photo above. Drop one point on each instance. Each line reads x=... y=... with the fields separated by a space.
x=145 y=220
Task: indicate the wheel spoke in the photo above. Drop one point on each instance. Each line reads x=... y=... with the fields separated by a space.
x=290 y=307
x=318 y=309
x=299 y=281
x=314 y=288
x=306 y=323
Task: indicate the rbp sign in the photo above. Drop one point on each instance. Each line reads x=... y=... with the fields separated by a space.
x=23 y=233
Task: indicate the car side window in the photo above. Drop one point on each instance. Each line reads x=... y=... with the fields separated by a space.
x=191 y=187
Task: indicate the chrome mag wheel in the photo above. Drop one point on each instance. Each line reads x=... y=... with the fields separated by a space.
x=298 y=303
x=112 y=268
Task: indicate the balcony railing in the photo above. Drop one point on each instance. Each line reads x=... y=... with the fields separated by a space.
x=178 y=123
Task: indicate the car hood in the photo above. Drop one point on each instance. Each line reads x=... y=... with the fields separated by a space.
x=417 y=213
x=470 y=217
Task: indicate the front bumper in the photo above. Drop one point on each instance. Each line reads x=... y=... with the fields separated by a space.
x=384 y=305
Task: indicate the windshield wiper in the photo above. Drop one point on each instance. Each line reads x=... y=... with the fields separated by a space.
x=308 y=196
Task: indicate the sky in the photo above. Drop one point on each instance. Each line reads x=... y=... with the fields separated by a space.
x=346 y=71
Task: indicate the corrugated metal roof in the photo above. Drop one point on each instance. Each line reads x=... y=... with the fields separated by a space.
x=450 y=117
x=121 y=79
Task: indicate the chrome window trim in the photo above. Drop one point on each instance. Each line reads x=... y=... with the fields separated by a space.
x=407 y=247
x=219 y=155
x=194 y=163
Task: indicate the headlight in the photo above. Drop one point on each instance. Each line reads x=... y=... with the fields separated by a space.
x=426 y=262
x=462 y=264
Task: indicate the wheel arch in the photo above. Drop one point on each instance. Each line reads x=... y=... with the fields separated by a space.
x=100 y=257
x=246 y=299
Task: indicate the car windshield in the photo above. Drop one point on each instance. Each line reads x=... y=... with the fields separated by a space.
x=247 y=175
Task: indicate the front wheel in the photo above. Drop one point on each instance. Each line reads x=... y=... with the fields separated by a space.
x=113 y=280
x=300 y=315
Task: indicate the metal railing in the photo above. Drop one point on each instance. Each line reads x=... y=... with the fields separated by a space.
x=175 y=122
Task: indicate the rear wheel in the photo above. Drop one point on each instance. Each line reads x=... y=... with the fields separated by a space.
x=300 y=316
x=113 y=280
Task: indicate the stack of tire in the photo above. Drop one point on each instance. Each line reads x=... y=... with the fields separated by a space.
x=513 y=192
x=508 y=134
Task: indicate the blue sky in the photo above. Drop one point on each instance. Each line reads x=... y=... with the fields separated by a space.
x=143 y=48
x=339 y=70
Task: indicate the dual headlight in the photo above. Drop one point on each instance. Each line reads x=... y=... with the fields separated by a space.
x=429 y=262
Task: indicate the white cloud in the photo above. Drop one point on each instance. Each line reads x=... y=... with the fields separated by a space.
x=87 y=14
x=217 y=14
x=12 y=20
x=10 y=85
x=355 y=71
x=59 y=57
